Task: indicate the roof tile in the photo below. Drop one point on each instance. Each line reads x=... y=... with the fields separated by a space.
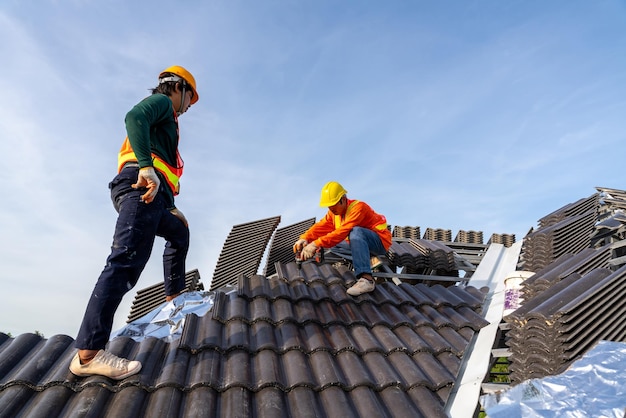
x=279 y=346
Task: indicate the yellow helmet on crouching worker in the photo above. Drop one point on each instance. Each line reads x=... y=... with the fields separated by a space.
x=181 y=72
x=332 y=192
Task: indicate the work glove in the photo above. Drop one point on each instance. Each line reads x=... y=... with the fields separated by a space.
x=180 y=216
x=309 y=251
x=148 y=178
x=299 y=245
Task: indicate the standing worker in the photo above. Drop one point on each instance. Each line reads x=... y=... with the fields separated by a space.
x=149 y=168
x=350 y=227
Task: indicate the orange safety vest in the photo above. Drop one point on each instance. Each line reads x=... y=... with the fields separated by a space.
x=171 y=174
x=338 y=219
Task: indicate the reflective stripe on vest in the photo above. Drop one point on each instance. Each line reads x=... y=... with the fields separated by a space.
x=338 y=219
x=171 y=174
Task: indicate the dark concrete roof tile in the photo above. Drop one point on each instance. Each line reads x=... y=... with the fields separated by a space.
x=326 y=370
x=278 y=344
x=354 y=370
x=388 y=339
x=205 y=368
x=339 y=338
x=382 y=375
x=289 y=337
x=417 y=318
x=236 y=370
x=364 y=339
x=462 y=317
x=411 y=340
x=400 y=404
x=336 y=402
x=428 y=405
x=450 y=362
x=437 y=375
x=434 y=317
x=409 y=370
x=365 y=401
x=434 y=340
x=304 y=402
x=297 y=370
x=305 y=311
x=315 y=337
x=457 y=342
x=283 y=311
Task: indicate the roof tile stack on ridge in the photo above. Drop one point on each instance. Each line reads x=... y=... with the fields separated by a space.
x=151 y=297
x=409 y=255
x=550 y=330
x=279 y=347
x=505 y=239
x=579 y=207
x=242 y=251
x=281 y=247
x=570 y=235
x=438 y=234
x=471 y=237
x=611 y=215
x=422 y=254
x=583 y=262
x=406 y=232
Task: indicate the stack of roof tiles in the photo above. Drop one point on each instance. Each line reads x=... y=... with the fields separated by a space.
x=438 y=234
x=149 y=298
x=470 y=237
x=293 y=346
x=581 y=263
x=581 y=206
x=406 y=232
x=611 y=225
x=242 y=251
x=281 y=247
x=505 y=239
x=567 y=230
x=422 y=256
x=574 y=299
x=551 y=329
x=612 y=198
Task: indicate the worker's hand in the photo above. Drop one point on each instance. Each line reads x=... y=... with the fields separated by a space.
x=299 y=245
x=180 y=216
x=148 y=178
x=309 y=251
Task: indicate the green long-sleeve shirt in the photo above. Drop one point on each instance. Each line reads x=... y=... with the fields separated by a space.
x=152 y=127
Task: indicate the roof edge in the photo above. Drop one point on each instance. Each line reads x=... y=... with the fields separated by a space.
x=498 y=262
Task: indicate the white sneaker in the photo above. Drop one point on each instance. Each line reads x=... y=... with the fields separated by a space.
x=362 y=286
x=105 y=364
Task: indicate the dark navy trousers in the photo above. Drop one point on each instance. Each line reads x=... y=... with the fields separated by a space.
x=138 y=224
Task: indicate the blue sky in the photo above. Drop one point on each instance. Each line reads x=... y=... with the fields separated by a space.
x=472 y=115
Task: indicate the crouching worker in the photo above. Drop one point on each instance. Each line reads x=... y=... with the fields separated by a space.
x=350 y=228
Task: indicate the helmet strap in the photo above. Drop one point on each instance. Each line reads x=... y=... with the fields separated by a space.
x=182 y=98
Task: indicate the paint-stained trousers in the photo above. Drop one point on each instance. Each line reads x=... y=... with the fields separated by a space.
x=138 y=224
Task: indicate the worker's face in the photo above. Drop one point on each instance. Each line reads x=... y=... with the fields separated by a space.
x=179 y=97
x=339 y=208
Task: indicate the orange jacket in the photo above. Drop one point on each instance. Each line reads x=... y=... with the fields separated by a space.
x=331 y=230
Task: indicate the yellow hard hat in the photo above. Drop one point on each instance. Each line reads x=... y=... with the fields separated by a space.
x=185 y=75
x=332 y=192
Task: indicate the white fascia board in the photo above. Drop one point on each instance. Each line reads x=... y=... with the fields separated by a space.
x=497 y=263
